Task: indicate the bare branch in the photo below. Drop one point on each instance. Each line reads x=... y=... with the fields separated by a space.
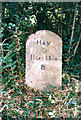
x=73 y=26
x=77 y=45
x=7 y=38
x=72 y=32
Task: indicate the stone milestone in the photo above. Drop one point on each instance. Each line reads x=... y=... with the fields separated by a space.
x=43 y=60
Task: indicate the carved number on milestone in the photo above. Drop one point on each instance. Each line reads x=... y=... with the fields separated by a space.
x=43 y=67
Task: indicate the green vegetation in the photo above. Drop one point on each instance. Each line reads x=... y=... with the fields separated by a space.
x=19 y=20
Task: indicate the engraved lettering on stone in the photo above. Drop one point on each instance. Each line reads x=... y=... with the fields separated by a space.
x=43 y=43
x=43 y=67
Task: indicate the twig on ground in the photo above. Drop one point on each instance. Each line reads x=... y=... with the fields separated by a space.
x=3 y=108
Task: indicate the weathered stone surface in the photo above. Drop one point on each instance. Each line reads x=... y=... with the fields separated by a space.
x=43 y=60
